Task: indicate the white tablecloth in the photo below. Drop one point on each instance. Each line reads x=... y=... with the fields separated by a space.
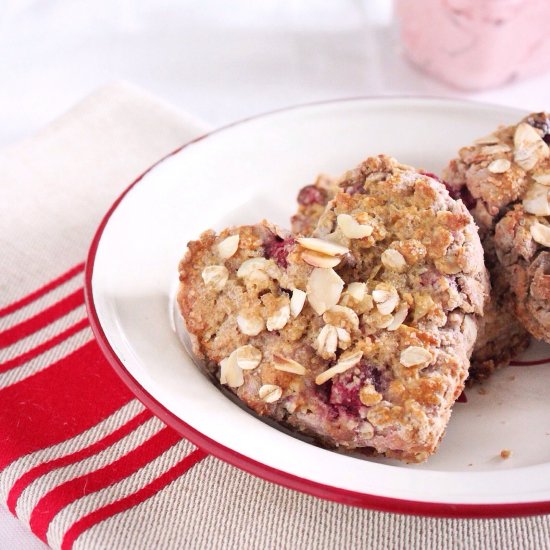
x=219 y=60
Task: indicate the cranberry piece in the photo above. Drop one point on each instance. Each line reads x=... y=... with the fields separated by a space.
x=462 y=192
x=278 y=249
x=434 y=177
x=357 y=187
x=462 y=398
x=542 y=122
x=467 y=197
x=310 y=194
x=345 y=389
x=456 y=192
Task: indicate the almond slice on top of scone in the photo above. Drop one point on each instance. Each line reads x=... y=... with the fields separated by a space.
x=361 y=342
x=507 y=183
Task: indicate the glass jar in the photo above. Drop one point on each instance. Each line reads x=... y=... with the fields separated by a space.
x=476 y=44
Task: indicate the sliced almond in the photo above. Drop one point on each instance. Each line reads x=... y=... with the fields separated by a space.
x=394 y=260
x=320 y=260
x=297 y=302
x=251 y=326
x=291 y=406
x=355 y=297
x=259 y=278
x=338 y=238
x=341 y=316
x=536 y=200
x=376 y=176
x=251 y=265
x=327 y=341
x=495 y=149
x=351 y=228
x=230 y=373
x=324 y=288
x=248 y=357
x=491 y=139
x=543 y=178
x=529 y=147
x=344 y=338
x=215 y=276
x=415 y=355
x=378 y=320
x=269 y=393
x=399 y=317
x=228 y=246
x=541 y=233
x=342 y=366
x=323 y=247
x=469 y=328
x=386 y=298
x=369 y=396
x=279 y=319
x=499 y=166
x=357 y=291
x=527 y=158
x=525 y=135
x=381 y=295
x=287 y=365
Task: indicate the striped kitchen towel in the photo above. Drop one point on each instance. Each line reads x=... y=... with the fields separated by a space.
x=77 y=447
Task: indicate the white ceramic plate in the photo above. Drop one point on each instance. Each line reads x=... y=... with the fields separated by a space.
x=253 y=170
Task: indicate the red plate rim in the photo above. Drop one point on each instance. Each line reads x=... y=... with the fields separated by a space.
x=335 y=494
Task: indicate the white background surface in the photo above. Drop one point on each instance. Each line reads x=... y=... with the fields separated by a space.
x=219 y=60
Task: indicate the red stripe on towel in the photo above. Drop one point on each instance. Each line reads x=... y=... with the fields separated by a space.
x=45 y=346
x=42 y=319
x=26 y=300
x=59 y=402
x=130 y=501
x=52 y=503
x=24 y=481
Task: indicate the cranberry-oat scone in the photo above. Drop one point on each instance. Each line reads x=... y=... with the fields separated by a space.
x=507 y=178
x=500 y=336
x=359 y=337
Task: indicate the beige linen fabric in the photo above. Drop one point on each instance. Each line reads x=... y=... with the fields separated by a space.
x=54 y=189
x=56 y=186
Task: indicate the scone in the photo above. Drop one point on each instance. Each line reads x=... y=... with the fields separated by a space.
x=360 y=336
x=500 y=336
x=507 y=178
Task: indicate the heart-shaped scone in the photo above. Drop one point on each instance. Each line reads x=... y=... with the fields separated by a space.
x=500 y=336
x=359 y=336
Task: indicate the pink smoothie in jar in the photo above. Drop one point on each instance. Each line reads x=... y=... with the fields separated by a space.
x=475 y=44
